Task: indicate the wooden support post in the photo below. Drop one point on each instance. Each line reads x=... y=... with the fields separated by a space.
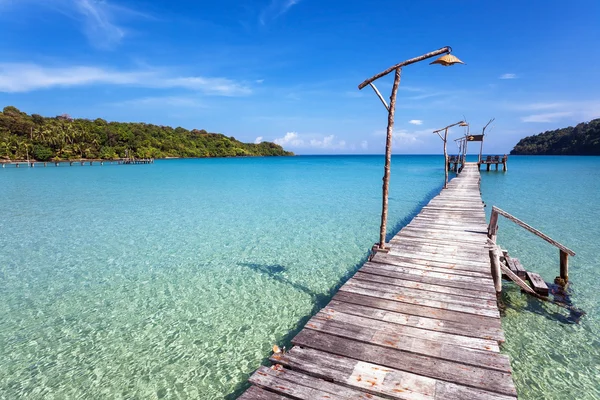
x=493 y=226
x=564 y=266
x=496 y=269
x=388 y=159
x=488 y=167
x=445 y=159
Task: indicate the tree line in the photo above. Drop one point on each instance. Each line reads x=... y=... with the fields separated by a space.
x=582 y=139
x=41 y=138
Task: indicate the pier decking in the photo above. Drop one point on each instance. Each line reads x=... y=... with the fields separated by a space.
x=420 y=322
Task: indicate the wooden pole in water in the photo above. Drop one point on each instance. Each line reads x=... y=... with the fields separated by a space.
x=564 y=266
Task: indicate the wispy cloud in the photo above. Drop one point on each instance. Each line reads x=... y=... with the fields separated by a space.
x=16 y=77
x=547 y=117
x=415 y=122
x=555 y=111
x=508 y=76
x=102 y=22
x=258 y=140
x=275 y=9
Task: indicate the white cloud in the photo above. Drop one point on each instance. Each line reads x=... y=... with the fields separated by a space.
x=416 y=122
x=293 y=139
x=548 y=117
x=364 y=144
x=16 y=77
x=275 y=9
x=290 y=138
x=508 y=76
x=258 y=140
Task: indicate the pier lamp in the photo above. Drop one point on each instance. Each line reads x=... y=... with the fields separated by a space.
x=446 y=60
x=445 y=139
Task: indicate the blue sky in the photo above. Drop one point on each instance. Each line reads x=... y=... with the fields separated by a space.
x=288 y=70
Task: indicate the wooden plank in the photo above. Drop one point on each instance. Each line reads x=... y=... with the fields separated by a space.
x=537 y=283
x=447 y=267
x=515 y=266
x=418 y=295
x=472 y=329
x=256 y=393
x=482 y=378
x=331 y=314
x=368 y=290
x=305 y=387
x=474 y=284
x=377 y=379
x=418 y=310
x=366 y=275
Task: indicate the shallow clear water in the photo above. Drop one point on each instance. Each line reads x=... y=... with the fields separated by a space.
x=551 y=357
x=173 y=280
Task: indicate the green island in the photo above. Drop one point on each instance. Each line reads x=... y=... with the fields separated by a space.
x=582 y=139
x=24 y=136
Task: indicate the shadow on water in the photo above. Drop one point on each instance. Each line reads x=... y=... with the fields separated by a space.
x=320 y=300
x=564 y=312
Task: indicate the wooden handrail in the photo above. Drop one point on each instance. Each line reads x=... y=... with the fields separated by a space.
x=529 y=228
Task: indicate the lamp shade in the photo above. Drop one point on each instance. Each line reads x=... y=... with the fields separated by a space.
x=447 y=60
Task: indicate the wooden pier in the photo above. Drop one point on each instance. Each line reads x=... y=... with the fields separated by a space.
x=418 y=322
x=82 y=162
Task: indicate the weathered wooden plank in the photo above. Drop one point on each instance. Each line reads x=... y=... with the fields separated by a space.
x=256 y=393
x=474 y=285
x=482 y=378
x=418 y=310
x=374 y=275
x=472 y=329
x=304 y=387
x=426 y=340
x=537 y=283
x=377 y=379
x=416 y=294
x=445 y=267
x=368 y=290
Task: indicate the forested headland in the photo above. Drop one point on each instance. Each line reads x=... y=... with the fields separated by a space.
x=583 y=139
x=40 y=138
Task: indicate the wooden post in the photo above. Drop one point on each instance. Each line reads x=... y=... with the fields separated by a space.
x=493 y=226
x=564 y=266
x=445 y=159
x=481 y=148
x=388 y=159
x=496 y=269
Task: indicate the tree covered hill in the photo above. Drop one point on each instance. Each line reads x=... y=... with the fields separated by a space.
x=64 y=138
x=583 y=139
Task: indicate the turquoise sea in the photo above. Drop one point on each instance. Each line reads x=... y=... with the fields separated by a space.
x=174 y=280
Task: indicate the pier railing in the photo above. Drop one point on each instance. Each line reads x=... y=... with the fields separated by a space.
x=564 y=254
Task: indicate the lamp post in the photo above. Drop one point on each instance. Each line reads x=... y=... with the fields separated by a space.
x=446 y=59
x=445 y=139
